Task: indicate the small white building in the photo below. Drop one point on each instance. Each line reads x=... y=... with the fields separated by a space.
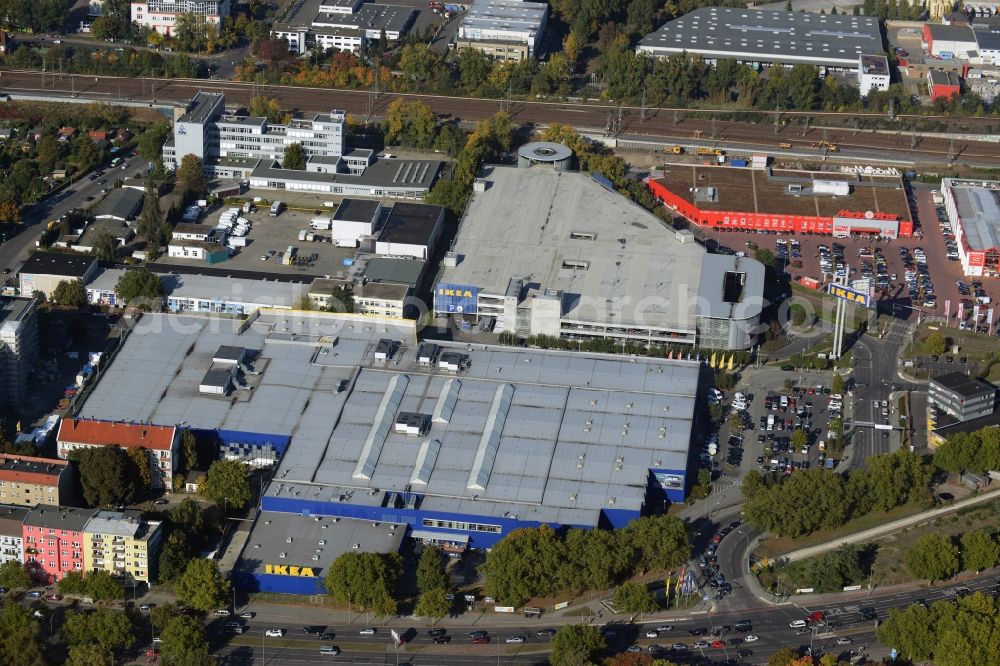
x=355 y=219
x=873 y=73
x=411 y=230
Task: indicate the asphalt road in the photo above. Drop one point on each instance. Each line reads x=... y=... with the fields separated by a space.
x=731 y=135
x=17 y=248
x=770 y=624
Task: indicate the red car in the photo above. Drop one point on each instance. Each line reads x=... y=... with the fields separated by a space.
x=816 y=616
x=717 y=539
x=481 y=639
x=718 y=644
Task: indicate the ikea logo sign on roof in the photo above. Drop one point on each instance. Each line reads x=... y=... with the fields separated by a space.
x=459 y=292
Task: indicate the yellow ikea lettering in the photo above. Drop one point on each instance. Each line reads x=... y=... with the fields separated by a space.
x=286 y=570
x=461 y=293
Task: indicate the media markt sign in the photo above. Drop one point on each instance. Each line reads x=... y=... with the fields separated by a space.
x=287 y=570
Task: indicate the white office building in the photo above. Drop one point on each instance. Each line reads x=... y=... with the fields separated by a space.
x=161 y=15
x=873 y=73
x=505 y=29
x=343 y=25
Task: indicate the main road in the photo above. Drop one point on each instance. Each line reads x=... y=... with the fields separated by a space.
x=653 y=122
x=770 y=625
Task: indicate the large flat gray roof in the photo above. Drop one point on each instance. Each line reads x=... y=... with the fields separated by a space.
x=547 y=435
x=314 y=541
x=530 y=222
x=768 y=36
x=978 y=206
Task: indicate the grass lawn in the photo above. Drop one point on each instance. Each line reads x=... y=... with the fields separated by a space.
x=825 y=306
x=888 y=567
x=971 y=344
x=776 y=546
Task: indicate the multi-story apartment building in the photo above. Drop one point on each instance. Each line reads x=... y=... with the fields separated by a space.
x=12 y=533
x=18 y=348
x=123 y=544
x=161 y=15
x=54 y=541
x=27 y=481
x=162 y=443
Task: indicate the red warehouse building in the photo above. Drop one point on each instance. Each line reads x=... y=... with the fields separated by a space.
x=54 y=541
x=943 y=85
x=780 y=201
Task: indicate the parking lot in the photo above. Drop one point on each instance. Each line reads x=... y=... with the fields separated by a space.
x=269 y=239
x=765 y=439
x=931 y=281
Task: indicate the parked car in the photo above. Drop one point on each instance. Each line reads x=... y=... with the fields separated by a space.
x=274 y=633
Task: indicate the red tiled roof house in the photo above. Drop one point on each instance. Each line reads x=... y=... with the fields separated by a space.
x=161 y=442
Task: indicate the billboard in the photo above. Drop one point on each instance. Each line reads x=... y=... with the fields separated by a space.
x=848 y=294
x=456 y=298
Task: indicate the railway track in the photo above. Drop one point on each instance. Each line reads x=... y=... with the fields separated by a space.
x=659 y=122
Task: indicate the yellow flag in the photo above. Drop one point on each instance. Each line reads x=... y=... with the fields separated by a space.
x=711 y=361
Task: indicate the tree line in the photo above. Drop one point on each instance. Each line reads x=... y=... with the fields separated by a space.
x=536 y=562
x=977 y=452
x=816 y=499
x=938 y=557
x=947 y=632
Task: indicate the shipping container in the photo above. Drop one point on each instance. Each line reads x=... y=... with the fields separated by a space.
x=237 y=241
x=738 y=163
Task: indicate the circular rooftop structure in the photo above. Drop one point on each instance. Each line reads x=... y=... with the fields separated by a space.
x=544 y=152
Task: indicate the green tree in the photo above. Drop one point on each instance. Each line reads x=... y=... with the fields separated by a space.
x=174 y=557
x=140 y=287
x=202 y=586
x=191 y=176
x=834 y=570
x=520 y=566
x=409 y=123
x=633 y=597
x=227 y=481
x=152 y=226
x=799 y=439
x=473 y=68
x=419 y=63
x=576 y=645
x=70 y=294
x=191 y=32
x=20 y=642
x=110 y=629
x=980 y=550
x=659 y=542
x=90 y=654
x=149 y=143
x=162 y=614
x=189 y=447
x=432 y=603
x=837 y=385
x=184 y=643
x=49 y=152
x=73 y=583
x=85 y=153
x=14 y=576
x=139 y=459
x=933 y=557
x=295 y=157
x=935 y=343
x=102 y=586
x=105 y=247
x=262 y=106
x=366 y=580
x=105 y=474
x=765 y=256
x=431 y=574
x=898 y=478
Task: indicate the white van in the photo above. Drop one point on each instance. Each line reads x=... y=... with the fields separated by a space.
x=323 y=223
x=330 y=650
x=770 y=421
x=797 y=624
x=276 y=208
x=784 y=402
